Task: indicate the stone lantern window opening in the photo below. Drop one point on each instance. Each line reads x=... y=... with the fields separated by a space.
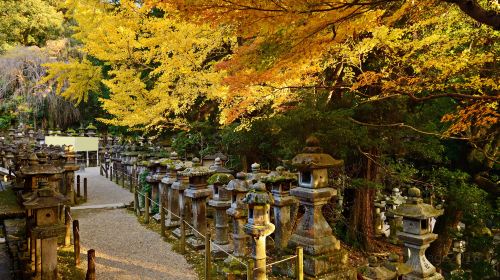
x=306 y=178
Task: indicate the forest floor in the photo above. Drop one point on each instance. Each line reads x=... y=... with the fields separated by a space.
x=124 y=248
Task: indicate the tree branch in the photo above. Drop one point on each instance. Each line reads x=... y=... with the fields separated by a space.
x=478 y=13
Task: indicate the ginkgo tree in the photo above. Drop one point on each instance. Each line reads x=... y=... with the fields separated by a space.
x=155 y=65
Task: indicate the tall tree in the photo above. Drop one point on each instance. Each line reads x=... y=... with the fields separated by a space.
x=29 y=22
x=156 y=65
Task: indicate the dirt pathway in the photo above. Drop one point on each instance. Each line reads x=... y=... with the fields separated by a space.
x=124 y=248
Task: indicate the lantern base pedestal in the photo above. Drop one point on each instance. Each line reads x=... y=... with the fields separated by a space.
x=169 y=224
x=177 y=232
x=332 y=264
x=218 y=253
x=196 y=243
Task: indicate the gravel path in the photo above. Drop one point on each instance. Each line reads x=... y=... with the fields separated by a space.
x=102 y=190
x=124 y=248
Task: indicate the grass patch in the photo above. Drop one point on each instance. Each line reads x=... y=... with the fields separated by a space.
x=66 y=265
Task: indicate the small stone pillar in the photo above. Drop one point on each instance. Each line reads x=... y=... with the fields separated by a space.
x=285 y=206
x=395 y=221
x=43 y=207
x=198 y=193
x=259 y=226
x=221 y=202
x=417 y=234
x=238 y=213
x=321 y=248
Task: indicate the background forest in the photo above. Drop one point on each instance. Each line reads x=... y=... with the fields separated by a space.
x=405 y=92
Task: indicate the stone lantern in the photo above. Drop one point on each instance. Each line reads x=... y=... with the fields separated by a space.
x=417 y=234
x=321 y=248
x=39 y=170
x=171 y=219
x=395 y=221
x=259 y=225
x=378 y=216
x=153 y=180
x=43 y=207
x=221 y=202
x=180 y=187
x=70 y=167
x=90 y=130
x=285 y=206
x=238 y=212
x=198 y=193
x=256 y=173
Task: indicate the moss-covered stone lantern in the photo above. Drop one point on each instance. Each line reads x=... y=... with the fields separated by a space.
x=238 y=212
x=43 y=207
x=417 y=234
x=221 y=202
x=321 y=248
x=259 y=225
x=285 y=206
x=198 y=193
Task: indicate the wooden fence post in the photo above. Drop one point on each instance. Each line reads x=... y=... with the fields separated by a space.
x=136 y=203
x=111 y=173
x=207 y=256
x=123 y=176
x=146 y=207
x=90 y=265
x=183 y=235
x=250 y=267
x=162 y=219
x=67 y=224
x=300 y=263
x=76 y=241
x=85 y=193
x=78 y=186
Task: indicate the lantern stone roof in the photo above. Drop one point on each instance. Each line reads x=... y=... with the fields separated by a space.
x=196 y=170
x=415 y=207
x=38 y=169
x=312 y=156
x=280 y=175
x=239 y=184
x=220 y=178
x=258 y=195
x=217 y=167
x=44 y=198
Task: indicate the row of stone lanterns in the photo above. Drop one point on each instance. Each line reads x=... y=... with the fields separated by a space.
x=186 y=187
x=44 y=181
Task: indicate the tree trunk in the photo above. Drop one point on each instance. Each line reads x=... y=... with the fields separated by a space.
x=445 y=226
x=361 y=227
